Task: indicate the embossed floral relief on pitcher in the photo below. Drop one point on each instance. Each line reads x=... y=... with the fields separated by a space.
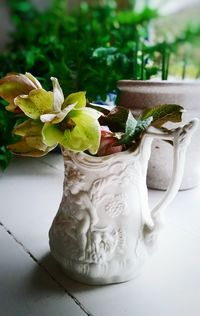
x=103 y=225
x=94 y=213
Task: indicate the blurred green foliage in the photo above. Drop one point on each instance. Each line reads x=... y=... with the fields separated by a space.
x=7 y=122
x=88 y=49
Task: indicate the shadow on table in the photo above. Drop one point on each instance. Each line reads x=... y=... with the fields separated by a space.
x=31 y=167
x=55 y=273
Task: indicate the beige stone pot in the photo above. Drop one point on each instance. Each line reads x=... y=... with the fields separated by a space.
x=139 y=95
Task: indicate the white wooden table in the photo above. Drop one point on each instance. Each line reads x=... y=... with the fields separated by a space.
x=31 y=283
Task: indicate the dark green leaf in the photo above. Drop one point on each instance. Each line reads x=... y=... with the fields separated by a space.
x=131 y=124
x=104 y=52
x=163 y=114
x=143 y=125
x=134 y=130
x=99 y=107
x=5 y=157
x=117 y=119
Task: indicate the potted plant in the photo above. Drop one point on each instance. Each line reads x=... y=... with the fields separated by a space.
x=140 y=94
x=103 y=226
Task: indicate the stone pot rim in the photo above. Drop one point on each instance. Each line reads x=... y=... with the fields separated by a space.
x=157 y=83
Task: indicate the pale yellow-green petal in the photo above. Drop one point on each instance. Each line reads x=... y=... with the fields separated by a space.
x=79 y=114
x=12 y=86
x=36 y=142
x=34 y=80
x=55 y=118
x=57 y=95
x=23 y=149
x=48 y=117
x=52 y=135
x=29 y=127
x=38 y=102
x=75 y=139
x=78 y=98
x=86 y=134
x=62 y=114
x=31 y=131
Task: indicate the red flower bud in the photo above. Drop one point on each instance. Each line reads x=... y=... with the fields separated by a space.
x=108 y=144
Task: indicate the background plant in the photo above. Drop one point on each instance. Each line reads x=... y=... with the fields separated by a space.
x=85 y=50
x=178 y=57
x=88 y=49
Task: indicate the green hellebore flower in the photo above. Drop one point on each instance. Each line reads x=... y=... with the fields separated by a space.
x=49 y=106
x=31 y=143
x=79 y=131
x=72 y=125
x=53 y=119
x=36 y=103
x=62 y=107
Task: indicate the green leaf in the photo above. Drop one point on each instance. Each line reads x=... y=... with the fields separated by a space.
x=5 y=157
x=142 y=126
x=116 y=120
x=38 y=102
x=163 y=114
x=104 y=52
x=131 y=124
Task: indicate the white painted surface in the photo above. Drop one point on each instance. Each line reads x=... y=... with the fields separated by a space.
x=25 y=288
x=169 y=285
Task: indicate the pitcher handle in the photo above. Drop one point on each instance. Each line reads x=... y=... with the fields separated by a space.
x=181 y=138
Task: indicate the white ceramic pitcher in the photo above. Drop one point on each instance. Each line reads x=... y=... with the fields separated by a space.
x=104 y=225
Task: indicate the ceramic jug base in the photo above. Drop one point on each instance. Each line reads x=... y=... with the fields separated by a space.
x=100 y=281
x=93 y=274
